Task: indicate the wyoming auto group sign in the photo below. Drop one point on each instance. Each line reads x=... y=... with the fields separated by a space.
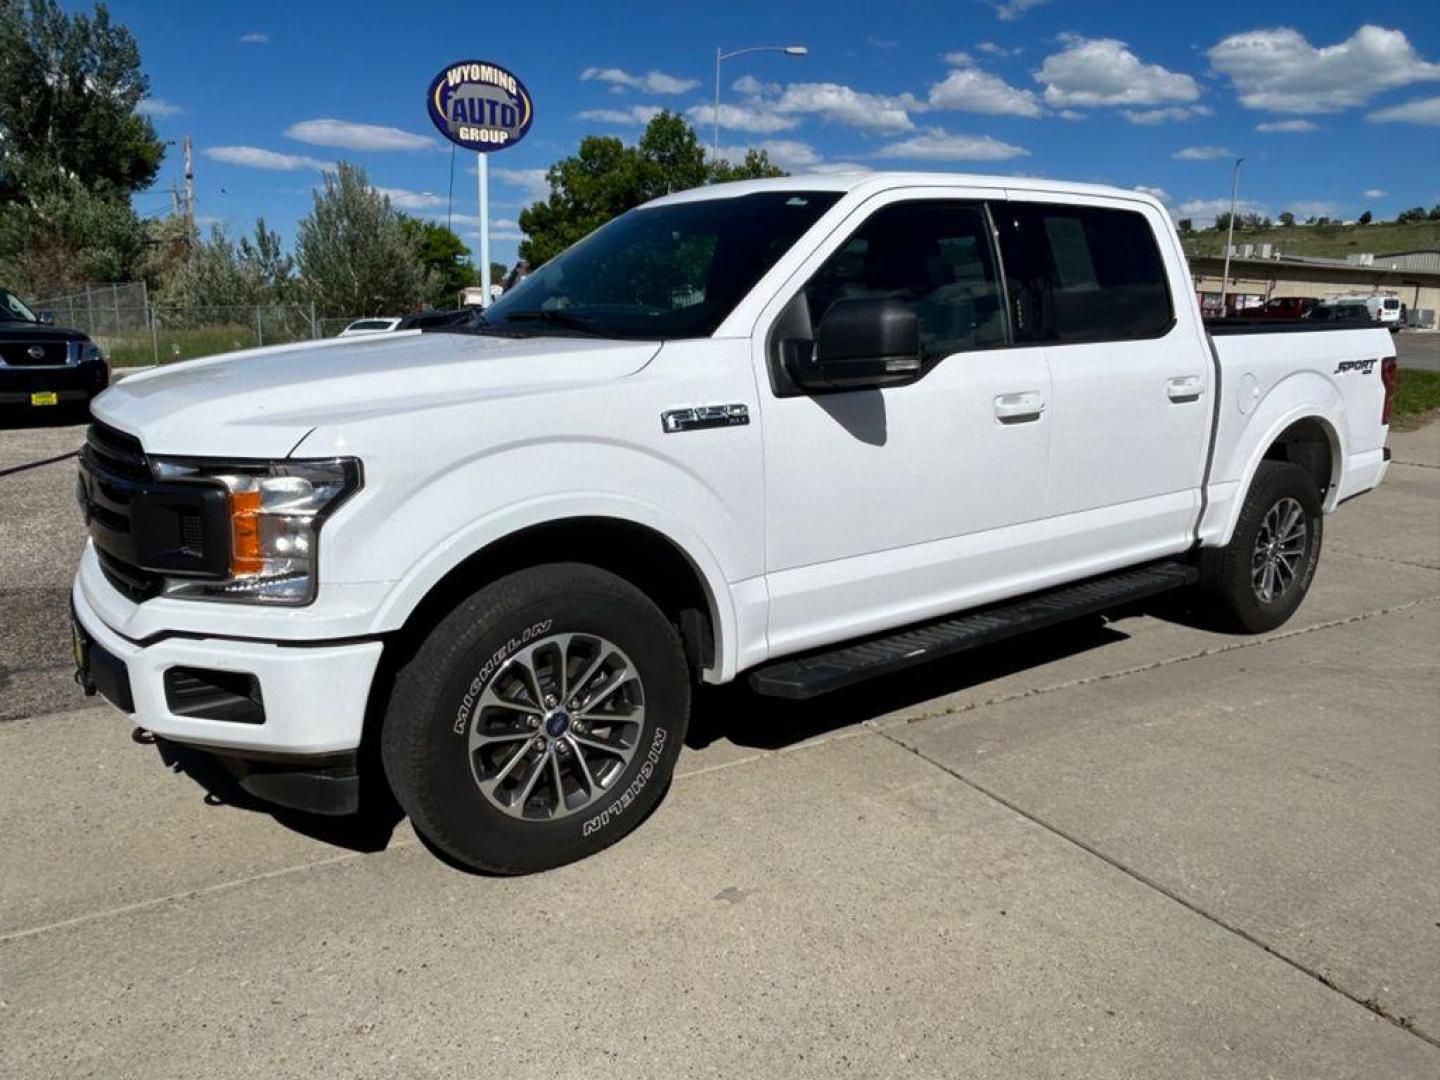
x=480 y=106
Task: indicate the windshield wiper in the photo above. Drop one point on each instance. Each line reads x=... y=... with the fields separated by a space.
x=554 y=318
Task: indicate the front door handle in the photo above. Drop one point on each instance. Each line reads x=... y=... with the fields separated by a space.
x=1019 y=407
x=1185 y=388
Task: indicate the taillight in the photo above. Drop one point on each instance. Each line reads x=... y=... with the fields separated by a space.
x=1389 y=372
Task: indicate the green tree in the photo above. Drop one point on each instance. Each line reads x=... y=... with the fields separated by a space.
x=352 y=251
x=1434 y=214
x=1222 y=221
x=72 y=147
x=443 y=259
x=219 y=273
x=1366 y=218
x=604 y=178
x=1186 y=226
x=1415 y=213
x=1287 y=219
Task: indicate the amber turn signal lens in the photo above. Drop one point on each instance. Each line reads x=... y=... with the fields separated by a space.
x=245 y=557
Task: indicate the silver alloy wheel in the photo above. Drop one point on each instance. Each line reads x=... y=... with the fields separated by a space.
x=1279 y=550
x=556 y=726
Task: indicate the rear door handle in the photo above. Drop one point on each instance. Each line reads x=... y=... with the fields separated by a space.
x=1013 y=408
x=1185 y=388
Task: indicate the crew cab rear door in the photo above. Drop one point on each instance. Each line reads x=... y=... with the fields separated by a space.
x=1098 y=284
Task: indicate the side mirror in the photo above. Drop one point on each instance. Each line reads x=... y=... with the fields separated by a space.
x=859 y=344
x=45 y=318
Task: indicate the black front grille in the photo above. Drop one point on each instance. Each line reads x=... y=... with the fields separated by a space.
x=35 y=353
x=145 y=529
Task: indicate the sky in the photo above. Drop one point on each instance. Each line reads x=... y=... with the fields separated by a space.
x=1335 y=106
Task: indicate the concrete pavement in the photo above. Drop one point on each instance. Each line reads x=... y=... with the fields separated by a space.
x=1128 y=848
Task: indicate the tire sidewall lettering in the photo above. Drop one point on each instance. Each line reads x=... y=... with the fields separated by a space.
x=490 y=667
x=626 y=798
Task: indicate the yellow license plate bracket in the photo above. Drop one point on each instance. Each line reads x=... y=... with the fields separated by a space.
x=45 y=397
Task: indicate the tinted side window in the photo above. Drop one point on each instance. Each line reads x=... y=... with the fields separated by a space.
x=1080 y=273
x=935 y=256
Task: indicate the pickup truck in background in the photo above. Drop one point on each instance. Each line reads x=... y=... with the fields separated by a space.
x=802 y=431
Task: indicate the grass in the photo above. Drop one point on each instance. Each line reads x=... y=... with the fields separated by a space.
x=1417 y=399
x=1326 y=241
x=137 y=350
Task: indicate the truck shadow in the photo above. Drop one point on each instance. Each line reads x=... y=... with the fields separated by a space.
x=736 y=713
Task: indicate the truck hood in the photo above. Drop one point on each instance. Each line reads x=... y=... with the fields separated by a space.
x=260 y=403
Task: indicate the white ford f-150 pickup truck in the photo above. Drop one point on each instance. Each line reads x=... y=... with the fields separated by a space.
x=804 y=431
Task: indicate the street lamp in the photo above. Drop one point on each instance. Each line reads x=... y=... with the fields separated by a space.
x=788 y=50
x=1230 y=240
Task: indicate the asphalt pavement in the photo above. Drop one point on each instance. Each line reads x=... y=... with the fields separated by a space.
x=1127 y=847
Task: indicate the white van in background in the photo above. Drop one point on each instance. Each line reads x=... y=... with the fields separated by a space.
x=1384 y=309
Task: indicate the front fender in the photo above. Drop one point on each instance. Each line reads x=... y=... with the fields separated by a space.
x=436 y=526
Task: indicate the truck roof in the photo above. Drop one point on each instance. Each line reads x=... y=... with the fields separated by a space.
x=853 y=181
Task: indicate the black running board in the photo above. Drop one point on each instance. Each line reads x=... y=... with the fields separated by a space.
x=819 y=673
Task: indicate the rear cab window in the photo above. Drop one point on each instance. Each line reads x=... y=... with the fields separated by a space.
x=1082 y=273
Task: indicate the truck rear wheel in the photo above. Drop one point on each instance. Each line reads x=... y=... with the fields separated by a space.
x=539 y=722
x=1259 y=578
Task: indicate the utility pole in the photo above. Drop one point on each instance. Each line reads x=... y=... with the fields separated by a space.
x=174 y=198
x=1230 y=240
x=189 y=196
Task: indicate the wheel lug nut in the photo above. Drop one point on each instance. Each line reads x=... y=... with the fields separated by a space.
x=550 y=701
x=534 y=721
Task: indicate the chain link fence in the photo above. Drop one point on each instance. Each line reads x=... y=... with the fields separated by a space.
x=132 y=332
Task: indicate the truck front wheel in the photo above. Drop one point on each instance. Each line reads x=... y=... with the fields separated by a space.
x=539 y=721
x=1259 y=578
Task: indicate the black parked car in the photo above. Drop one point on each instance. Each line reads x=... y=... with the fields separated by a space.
x=42 y=365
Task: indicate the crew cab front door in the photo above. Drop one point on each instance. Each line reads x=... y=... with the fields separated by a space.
x=886 y=506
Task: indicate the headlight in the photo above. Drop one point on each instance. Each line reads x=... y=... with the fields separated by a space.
x=83 y=352
x=275 y=513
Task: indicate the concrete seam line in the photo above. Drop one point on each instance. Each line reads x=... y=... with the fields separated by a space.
x=37 y=464
x=1086 y=680
x=1415 y=464
x=1404 y=1024
x=191 y=894
x=1380 y=558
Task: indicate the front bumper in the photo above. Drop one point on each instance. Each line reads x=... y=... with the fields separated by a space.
x=71 y=382
x=314 y=694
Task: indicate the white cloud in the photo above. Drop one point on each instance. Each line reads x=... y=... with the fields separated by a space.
x=412 y=200
x=840 y=167
x=254 y=38
x=1314 y=209
x=937 y=144
x=789 y=154
x=1070 y=114
x=635 y=114
x=1203 y=212
x=652 y=82
x=756 y=116
x=1175 y=113
x=1423 y=111
x=351 y=136
x=1280 y=70
x=989 y=48
x=845 y=105
x=958 y=59
x=1010 y=10
x=1203 y=153
x=1103 y=71
x=882 y=43
x=531 y=181
x=1159 y=193
x=973 y=90
x=1287 y=125
x=154 y=106
x=253 y=157
x=1375 y=193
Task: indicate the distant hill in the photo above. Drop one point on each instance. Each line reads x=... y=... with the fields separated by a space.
x=1325 y=241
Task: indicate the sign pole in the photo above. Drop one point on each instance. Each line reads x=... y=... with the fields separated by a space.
x=482 y=175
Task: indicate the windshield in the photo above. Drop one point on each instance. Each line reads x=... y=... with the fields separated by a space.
x=13 y=309
x=664 y=272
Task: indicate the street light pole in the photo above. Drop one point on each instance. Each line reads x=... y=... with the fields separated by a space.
x=1230 y=239
x=788 y=50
